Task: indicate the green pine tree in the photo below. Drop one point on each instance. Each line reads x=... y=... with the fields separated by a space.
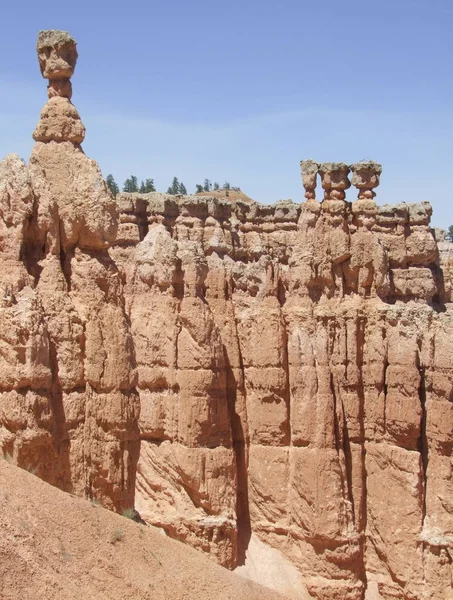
x=199 y=188
x=207 y=186
x=450 y=233
x=174 y=188
x=182 y=189
x=226 y=186
x=216 y=186
x=131 y=184
x=147 y=186
x=112 y=185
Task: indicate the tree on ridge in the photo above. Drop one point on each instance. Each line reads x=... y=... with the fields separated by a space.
x=112 y=185
x=174 y=188
x=131 y=184
x=147 y=186
x=177 y=187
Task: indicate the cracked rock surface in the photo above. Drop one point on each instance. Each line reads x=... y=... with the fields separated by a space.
x=235 y=369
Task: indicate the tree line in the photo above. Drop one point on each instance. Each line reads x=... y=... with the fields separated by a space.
x=130 y=185
x=177 y=187
x=209 y=186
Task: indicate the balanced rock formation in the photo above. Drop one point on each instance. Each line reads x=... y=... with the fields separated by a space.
x=235 y=371
x=69 y=407
x=60 y=120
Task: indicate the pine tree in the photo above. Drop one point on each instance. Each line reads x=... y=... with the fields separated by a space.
x=450 y=233
x=216 y=186
x=112 y=185
x=147 y=186
x=207 y=186
x=134 y=182
x=174 y=188
x=131 y=184
x=199 y=188
x=182 y=189
x=226 y=186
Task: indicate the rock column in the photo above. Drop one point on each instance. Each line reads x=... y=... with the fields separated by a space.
x=94 y=403
x=365 y=178
x=60 y=121
x=309 y=169
x=334 y=179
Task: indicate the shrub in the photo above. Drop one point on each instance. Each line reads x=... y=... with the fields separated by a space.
x=129 y=513
x=116 y=536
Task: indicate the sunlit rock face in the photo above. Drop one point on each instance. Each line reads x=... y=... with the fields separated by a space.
x=231 y=368
x=69 y=406
x=305 y=348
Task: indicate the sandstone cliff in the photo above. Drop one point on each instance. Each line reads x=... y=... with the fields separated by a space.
x=233 y=368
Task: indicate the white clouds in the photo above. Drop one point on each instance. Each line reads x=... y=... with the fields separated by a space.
x=260 y=153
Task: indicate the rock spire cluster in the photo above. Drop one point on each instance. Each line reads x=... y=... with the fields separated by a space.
x=335 y=181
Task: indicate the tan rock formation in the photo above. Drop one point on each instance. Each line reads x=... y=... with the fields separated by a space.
x=366 y=177
x=283 y=371
x=69 y=407
x=330 y=322
x=310 y=170
x=334 y=180
x=60 y=121
x=445 y=248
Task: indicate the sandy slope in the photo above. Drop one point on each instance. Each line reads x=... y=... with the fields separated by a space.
x=232 y=196
x=53 y=545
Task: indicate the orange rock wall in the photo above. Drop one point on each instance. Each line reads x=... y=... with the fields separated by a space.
x=232 y=368
x=284 y=370
x=68 y=405
x=295 y=380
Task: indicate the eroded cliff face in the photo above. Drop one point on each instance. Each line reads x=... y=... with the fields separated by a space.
x=232 y=368
x=335 y=382
x=69 y=407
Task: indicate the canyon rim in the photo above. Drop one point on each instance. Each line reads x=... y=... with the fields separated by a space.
x=250 y=377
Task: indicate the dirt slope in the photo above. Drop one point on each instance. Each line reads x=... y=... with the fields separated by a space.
x=232 y=195
x=53 y=545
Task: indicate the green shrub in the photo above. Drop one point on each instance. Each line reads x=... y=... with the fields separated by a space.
x=116 y=536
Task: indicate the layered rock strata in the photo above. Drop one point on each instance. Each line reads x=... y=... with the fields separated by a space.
x=337 y=380
x=69 y=405
x=232 y=369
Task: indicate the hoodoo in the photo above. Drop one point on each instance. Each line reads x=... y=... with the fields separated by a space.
x=247 y=376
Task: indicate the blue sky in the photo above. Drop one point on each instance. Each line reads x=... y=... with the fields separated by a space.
x=242 y=91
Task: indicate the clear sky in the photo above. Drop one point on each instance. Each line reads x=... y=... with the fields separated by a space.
x=243 y=90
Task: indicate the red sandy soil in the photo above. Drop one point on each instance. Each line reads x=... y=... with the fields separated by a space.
x=56 y=546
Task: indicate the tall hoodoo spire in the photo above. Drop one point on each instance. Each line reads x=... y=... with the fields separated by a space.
x=60 y=121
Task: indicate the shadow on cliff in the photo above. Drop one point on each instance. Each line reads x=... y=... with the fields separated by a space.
x=240 y=447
